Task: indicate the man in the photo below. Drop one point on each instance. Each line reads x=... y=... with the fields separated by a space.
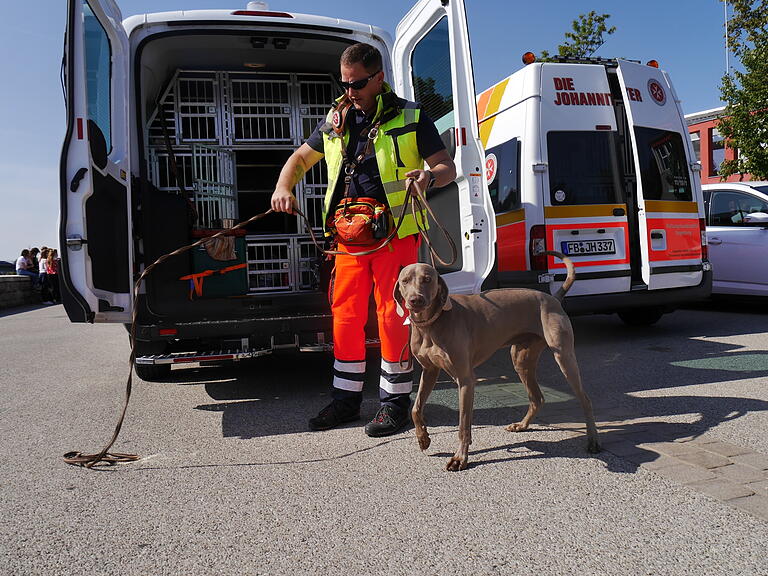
x=402 y=138
x=24 y=267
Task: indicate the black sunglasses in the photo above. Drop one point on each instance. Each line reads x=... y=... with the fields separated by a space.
x=358 y=84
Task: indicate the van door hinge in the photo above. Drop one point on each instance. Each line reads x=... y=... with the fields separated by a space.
x=76 y=242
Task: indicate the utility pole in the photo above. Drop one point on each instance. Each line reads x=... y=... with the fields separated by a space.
x=725 y=18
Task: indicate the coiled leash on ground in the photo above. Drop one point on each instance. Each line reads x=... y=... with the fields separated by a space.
x=418 y=202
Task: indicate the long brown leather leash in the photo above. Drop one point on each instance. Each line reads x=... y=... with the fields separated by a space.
x=418 y=203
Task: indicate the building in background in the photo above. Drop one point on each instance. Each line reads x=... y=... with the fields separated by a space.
x=709 y=145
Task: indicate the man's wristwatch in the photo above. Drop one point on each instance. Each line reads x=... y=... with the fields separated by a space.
x=431 y=183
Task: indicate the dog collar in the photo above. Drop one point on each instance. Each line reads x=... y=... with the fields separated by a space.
x=428 y=321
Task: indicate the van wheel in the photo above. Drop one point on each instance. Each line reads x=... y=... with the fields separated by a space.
x=153 y=372
x=641 y=316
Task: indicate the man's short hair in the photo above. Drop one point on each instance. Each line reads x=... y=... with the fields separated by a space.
x=363 y=53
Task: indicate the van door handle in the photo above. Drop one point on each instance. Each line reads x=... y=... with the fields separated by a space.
x=714 y=240
x=619 y=212
x=75 y=184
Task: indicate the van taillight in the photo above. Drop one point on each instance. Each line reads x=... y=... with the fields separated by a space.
x=704 y=247
x=168 y=331
x=537 y=247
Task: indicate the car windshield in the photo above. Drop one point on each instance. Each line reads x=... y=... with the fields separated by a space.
x=763 y=189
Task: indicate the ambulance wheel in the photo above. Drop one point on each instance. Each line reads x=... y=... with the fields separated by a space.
x=153 y=372
x=642 y=316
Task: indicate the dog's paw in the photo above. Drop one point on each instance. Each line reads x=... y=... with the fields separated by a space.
x=516 y=427
x=424 y=441
x=455 y=464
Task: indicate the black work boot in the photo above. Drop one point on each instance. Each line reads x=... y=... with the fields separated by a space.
x=335 y=414
x=388 y=420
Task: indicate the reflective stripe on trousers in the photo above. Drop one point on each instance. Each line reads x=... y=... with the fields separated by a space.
x=354 y=278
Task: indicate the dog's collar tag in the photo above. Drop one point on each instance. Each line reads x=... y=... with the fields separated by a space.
x=407 y=321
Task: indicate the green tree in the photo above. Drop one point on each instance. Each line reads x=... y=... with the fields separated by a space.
x=589 y=32
x=745 y=121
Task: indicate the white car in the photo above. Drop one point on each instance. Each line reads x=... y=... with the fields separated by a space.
x=737 y=234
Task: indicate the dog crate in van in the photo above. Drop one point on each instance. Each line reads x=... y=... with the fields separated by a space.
x=229 y=95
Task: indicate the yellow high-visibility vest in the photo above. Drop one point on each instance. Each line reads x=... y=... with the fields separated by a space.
x=397 y=153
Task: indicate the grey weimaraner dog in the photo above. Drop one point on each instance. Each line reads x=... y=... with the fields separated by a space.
x=459 y=332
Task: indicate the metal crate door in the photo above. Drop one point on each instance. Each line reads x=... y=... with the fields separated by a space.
x=312 y=197
x=315 y=93
x=198 y=108
x=270 y=265
x=261 y=110
x=214 y=182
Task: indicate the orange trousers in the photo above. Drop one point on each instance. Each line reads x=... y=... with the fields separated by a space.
x=353 y=279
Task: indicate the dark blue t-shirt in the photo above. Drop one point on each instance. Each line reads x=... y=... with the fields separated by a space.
x=366 y=180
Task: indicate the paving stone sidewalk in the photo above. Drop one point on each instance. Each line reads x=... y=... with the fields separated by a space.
x=732 y=474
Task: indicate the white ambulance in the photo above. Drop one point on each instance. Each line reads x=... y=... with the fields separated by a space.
x=592 y=158
x=177 y=126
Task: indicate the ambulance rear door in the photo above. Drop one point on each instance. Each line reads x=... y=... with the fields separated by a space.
x=584 y=204
x=669 y=205
x=432 y=65
x=95 y=215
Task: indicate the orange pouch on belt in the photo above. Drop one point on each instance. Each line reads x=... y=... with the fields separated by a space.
x=356 y=221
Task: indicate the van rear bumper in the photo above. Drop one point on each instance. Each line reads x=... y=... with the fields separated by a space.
x=669 y=298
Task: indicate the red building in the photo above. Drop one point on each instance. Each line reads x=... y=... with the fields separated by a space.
x=709 y=145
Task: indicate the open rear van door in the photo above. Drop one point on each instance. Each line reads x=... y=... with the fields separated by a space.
x=432 y=65
x=669 y=205
x=95 y=214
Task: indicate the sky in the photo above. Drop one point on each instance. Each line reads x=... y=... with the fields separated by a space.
x=685 y=36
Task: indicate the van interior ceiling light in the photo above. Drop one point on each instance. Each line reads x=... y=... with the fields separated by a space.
x=529 y=58
x=652 y=63
x=254 y=65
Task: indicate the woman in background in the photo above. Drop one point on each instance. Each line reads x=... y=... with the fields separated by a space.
x=52 y=273
x=45 y=288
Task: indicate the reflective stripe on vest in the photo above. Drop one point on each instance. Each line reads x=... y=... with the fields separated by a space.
x=397 y=153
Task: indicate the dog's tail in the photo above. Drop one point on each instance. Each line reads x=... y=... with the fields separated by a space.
x=570 y=276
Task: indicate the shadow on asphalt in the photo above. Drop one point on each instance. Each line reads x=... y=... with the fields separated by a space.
x=277 y=394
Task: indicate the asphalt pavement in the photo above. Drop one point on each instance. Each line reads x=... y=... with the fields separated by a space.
x=231 y=481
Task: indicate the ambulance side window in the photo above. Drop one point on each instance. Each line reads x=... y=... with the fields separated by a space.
x=663 y=165
x=98 y=58
x=433 y=81
x=505 y=186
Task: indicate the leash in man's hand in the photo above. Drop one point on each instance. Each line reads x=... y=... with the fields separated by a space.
x=418 y=202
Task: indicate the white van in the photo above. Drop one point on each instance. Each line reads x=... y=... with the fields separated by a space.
x=229 y=95
x=592 y=158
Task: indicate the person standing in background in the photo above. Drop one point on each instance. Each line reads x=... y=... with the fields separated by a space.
x=45 y=289
x=52 y=274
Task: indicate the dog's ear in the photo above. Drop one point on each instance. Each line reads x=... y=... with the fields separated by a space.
x=443 y=294
x=398 y=298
